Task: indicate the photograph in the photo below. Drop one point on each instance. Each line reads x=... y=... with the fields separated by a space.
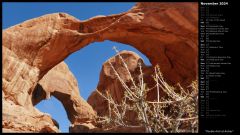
x=107 y=67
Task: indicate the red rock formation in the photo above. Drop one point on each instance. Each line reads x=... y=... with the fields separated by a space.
x=167 y=33
x=58 y=82
x=162 y=31
x=61 y=83
x=16 y=118
x=108 y=81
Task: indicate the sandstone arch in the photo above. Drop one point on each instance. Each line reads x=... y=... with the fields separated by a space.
x=61 y=83
x=167 y=33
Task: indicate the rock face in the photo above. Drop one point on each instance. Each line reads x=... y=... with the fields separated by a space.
x=58 y=82
x=17 y=118
x=20 y=116
x=61 y=83
x=167 y=33
x=108 y=81
x=18 y=78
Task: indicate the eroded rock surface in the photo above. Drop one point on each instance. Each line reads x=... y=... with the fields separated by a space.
x=166 y=32
x=16 y=118
x=61 y=83
x=109 y=82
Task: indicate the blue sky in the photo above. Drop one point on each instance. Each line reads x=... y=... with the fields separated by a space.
x=86 y=63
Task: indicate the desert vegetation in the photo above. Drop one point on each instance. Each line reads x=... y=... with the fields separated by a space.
x=174 y=111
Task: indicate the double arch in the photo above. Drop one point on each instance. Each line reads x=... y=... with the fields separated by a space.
x=152 y=28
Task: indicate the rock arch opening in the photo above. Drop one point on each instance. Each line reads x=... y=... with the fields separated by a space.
x=55 y=108
x=85 y=65
x=60 y=83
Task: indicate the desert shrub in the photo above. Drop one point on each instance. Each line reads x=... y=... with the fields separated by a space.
x=176 y=112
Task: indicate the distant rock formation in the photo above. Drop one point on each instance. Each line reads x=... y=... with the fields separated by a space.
x=61 y=83
x=58 y=82
x=166 y=32
x=108 y=81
